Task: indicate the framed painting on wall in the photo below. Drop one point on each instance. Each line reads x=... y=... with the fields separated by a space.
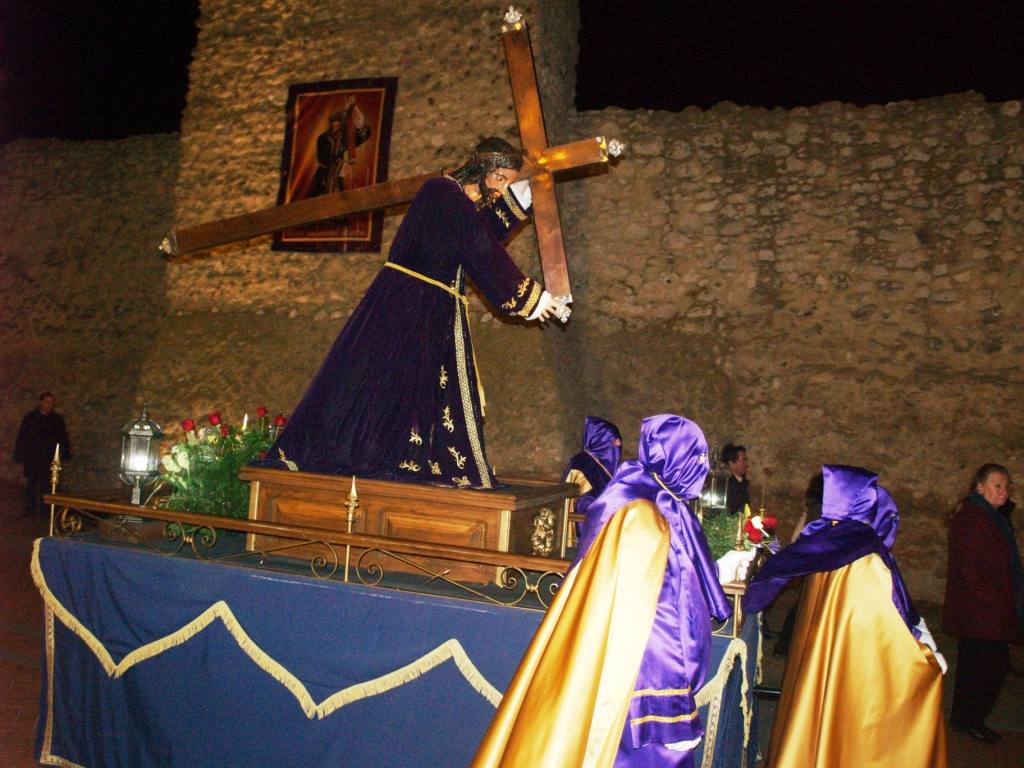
x=337 y=137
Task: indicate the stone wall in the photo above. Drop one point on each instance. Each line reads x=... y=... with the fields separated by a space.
x=82 y=287
x=831 y=284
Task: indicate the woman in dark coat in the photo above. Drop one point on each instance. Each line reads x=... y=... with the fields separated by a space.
x=983 y=605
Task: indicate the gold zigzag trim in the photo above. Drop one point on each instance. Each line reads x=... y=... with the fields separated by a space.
x=711 y=694
x=450 y=649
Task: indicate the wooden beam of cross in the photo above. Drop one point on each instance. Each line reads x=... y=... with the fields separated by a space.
x=547 y=161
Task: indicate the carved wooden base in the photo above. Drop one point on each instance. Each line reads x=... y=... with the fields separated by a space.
x=526 y=517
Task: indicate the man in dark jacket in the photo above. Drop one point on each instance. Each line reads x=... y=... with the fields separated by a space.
x=41 y=431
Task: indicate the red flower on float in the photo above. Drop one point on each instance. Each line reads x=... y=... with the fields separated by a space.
x=280 y=420
x=261 y=411
x=188 y=425
x=214 y=417
x=758 y=528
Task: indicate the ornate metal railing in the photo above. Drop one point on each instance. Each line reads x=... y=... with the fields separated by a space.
x=175 y=532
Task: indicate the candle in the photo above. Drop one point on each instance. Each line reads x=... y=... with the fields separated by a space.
x=245 y=422
x=352 y=493
x=56 y=453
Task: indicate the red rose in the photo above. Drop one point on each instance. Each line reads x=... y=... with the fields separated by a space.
x=224 y=431
x=261 y=411
x=261 y=455
x=214 y=417
x=753 y=534
x=769 y=522
x=280 y=420
x=188 y=425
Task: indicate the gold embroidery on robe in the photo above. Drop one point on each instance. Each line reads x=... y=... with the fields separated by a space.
x=531 y=302
x=460 y=460
x=288 y=463
x=462 y=482
x=513 y=205
x=446 y=419
x=435 y=468
x=501 y=215
x=412 y=466
x=443 y=380
x=462 y=371
x=414 y=437
x=521 y=288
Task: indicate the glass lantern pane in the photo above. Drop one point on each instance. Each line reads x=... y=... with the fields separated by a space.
x=138 y=454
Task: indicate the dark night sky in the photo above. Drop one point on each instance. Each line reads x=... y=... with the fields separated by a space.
x=764 y=53
x=83 y=69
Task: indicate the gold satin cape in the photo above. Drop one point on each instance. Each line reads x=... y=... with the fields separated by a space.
x=860 y=691
x=568 y=701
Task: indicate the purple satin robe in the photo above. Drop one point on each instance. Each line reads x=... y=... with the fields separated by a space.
x=670 y=470
x=858 y=517
x=598 y=460
x=396 y=397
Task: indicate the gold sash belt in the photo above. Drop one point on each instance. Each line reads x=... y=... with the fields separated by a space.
x=436 y=283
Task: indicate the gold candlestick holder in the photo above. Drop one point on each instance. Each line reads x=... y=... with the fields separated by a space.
x=741 y=522
x=55 y=468
x=351 y=504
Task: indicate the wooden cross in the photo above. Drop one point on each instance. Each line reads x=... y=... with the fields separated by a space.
x=547 y=161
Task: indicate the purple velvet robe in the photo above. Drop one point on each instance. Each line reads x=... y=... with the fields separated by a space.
x=597 y=461
x=669 y=471
x=396 y=398
x=858 y=517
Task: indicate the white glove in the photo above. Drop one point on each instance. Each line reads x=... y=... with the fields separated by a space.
x=544 y=309
x=927 y=639
x=682 y=746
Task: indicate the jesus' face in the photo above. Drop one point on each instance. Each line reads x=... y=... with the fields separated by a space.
x=498 y=180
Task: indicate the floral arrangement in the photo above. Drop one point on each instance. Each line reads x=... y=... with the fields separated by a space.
x=202 y=470
x=758 y=531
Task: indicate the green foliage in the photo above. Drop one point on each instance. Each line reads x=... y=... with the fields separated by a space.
x=203 y=471
x=720 y=531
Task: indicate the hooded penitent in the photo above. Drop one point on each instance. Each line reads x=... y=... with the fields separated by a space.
x=860 y=688
x=594 y=466
x=612 y=673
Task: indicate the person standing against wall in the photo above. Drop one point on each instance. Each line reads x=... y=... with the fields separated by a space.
x=984 y=601
x=41 y=431
x=984 y=605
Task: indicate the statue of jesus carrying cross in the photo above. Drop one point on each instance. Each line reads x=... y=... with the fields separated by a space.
x=398 y=397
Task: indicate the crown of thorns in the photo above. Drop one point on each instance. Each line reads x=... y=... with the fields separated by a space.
x=507 y=160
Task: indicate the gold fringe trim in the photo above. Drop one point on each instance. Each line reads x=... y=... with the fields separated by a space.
x=46 y=757
x=450 y=649
x=711 y=694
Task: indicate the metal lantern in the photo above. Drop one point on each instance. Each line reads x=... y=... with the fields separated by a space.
x=140 y=454
x=712 y=499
